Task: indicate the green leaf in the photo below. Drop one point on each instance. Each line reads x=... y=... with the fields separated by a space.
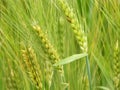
x=70 y=59
x=103 y=88
x=105 y=68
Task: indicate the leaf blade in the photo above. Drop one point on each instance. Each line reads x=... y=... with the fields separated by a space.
x=70 y=59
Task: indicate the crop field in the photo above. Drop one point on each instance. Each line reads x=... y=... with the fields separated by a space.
x=59 y=44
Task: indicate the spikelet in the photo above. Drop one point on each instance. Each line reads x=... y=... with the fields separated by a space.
x=33 y=68
x=77 y=29
x=47 y=45
x=50 y=51
x=116 y=67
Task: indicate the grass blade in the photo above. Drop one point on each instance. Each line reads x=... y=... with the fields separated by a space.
x=103 y=88
x=70 y=59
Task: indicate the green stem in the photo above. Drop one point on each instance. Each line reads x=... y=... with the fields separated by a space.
x=89 y=73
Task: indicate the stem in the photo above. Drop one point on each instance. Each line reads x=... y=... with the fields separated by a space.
x=89 y=73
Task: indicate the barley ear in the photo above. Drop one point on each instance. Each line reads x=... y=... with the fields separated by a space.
x=52 y=54
x=116 y=67
x=33 y=68
x=76 y=27
x=47 y=47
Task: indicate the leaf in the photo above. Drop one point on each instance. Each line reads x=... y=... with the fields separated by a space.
x=103 y=88
x=70 y=59
x=105 y=68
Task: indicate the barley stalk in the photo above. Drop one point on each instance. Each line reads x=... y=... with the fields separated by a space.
x=77 y=29
x=78 y=32
x=32 y=66
x=50 y=51
x=48 y=48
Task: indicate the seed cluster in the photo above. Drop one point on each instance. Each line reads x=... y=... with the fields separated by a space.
x=50 y=52
x=77 y=29
x=48 y=48
x=32 y=66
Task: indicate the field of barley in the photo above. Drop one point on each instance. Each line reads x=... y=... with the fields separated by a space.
x=59 y=45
